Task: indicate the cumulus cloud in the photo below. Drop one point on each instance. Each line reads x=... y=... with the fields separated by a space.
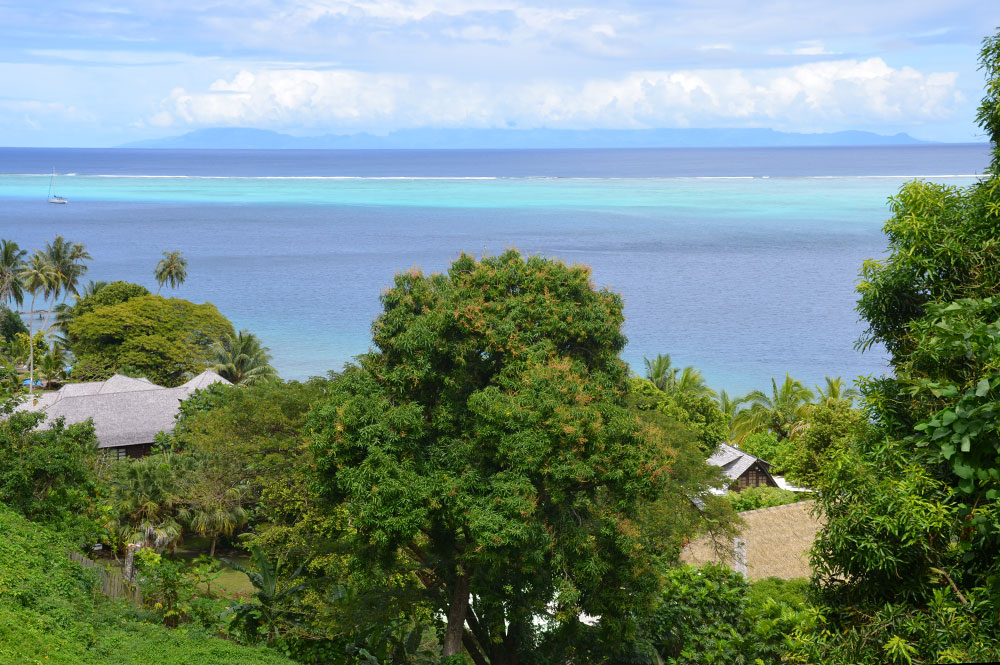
x=815 y=96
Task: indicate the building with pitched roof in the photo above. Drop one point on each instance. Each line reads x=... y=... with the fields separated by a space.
x=128 y=413
x=742 y=468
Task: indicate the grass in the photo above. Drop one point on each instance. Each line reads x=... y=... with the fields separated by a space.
x=229 y=582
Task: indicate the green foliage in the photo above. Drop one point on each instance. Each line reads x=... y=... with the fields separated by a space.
x=171 y=268
x=51 y=612
x=946 y=630
x=698 y=413
x=165 y=339
x=177 y=592
x=241 y=360
x=793 y=593
x=489 y=427
x=276 y=607
x=670 y=379
x=110 y=294
x=767 y=447
x=833 y=425
x=783 y=412
x=710 y=615
x=48 y=474
x=11 y=324
x=754 y=498
x=145 y=494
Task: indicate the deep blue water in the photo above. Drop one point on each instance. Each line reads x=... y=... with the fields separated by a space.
x=742 y=275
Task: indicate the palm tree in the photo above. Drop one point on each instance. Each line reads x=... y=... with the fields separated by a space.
x=216 y=515
x=145 y=494
x=659 y=372
x=11 y=260
x=37 y=276
x=730 y=406
x=783 y=412
x=171 y=268
x=53 y=365
x=242 y=360
x=92 y=288
x=67 y=259
x=836 y=390
x=690 y=380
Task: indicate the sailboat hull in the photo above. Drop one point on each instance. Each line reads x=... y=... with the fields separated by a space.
x=58 y=199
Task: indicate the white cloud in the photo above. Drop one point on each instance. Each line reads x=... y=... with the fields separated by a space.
x=816 y=96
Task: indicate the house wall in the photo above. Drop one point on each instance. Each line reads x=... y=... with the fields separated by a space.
x=755 y=476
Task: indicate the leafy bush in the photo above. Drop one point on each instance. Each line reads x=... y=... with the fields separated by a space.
x=51 y=612
x=48 y=475
x=711 y=615
x=766 y=446
x=754 y=498
x=10 y=324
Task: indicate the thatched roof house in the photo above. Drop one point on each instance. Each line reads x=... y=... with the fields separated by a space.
x=742 y=468
x=128 y=413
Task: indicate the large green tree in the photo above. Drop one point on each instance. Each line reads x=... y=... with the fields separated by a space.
x=485 y=446
x=164 y=339
x=913 y=507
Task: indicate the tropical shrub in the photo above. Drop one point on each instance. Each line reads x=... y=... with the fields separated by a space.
x=754 y=498
x=709 y=614
x=51 y=612
x=48 y=475
x=10 y=324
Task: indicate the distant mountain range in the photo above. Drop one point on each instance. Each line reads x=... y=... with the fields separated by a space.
x=262 y=139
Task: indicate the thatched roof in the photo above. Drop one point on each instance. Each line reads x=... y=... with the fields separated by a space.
x=776 y=542
x=126 y=411
x=735 y=462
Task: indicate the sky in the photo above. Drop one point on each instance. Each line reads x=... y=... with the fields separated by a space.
x=79 y=73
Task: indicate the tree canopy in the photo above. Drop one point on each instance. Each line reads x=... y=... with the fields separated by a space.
x=913 y=504
x=163 y=339
x=486 y=446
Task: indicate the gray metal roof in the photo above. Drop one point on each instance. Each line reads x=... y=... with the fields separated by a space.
x=126 y=411
x=734 y=462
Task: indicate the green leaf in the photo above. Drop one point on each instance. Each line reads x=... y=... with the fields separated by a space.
x=948 y=417
x=947 y=450
x=982 y=387
x=962 y=470
x=965 y=443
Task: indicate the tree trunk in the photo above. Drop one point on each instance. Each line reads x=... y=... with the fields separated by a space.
x=31 y=347
x=211 y=552
x=456 y=616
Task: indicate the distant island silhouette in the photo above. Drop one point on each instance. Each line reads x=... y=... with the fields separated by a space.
x=429 y=139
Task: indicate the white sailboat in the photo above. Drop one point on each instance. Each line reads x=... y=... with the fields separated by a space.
x=55 y=198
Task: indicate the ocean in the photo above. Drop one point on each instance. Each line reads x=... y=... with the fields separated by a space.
x=740 y=262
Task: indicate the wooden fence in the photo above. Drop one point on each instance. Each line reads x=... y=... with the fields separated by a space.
x=113 y=585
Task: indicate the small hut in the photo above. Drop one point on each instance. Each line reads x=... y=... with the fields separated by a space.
x=742 y=468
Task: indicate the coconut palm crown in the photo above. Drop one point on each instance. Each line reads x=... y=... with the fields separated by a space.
x=38 y=275
x=242 y=360
x=171 y=268
x=11 y=260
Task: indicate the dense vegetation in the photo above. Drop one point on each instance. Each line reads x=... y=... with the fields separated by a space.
x=50 y=612
x=489 y=484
